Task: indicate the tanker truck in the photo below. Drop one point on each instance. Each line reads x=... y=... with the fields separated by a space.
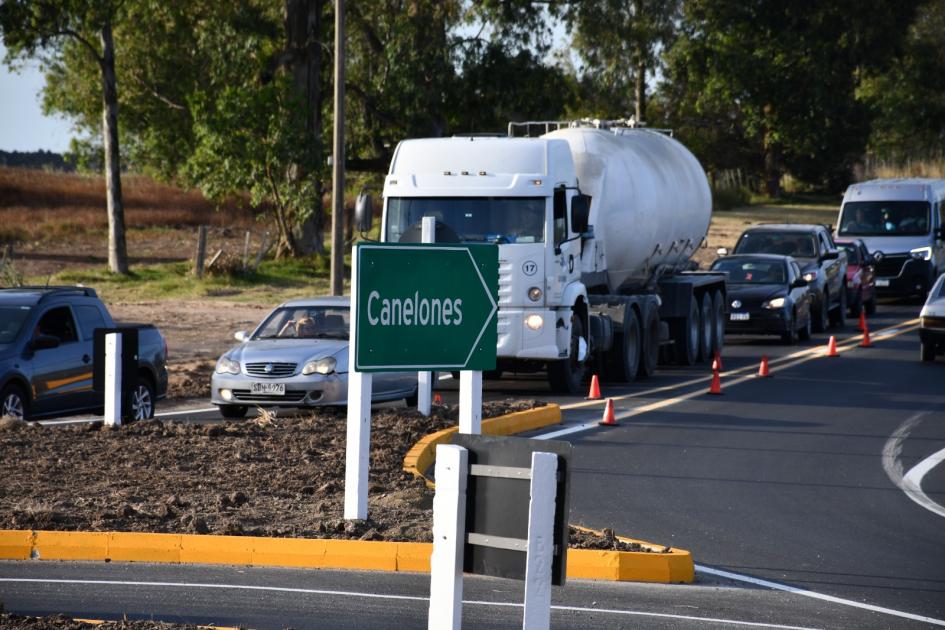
x=596 y=223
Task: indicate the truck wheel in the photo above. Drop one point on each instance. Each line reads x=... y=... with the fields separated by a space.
x=718 y=319
x=13 y=403
x=686 y=336
x=565 y=377
x=233 y=412
x=819 y=314
x=625 y=357
x=838 y=316
x=651 y=345
x=706 y=328
x=141 y=405
x=927 y=351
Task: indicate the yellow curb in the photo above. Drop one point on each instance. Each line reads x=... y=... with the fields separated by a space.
x=16 y=544
x=421 y=456
x=70 y=545
x=670 y=567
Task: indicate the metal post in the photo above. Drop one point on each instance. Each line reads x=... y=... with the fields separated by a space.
x=113 y=379
x=358 y=447
x=449 y=534
x=246 y=250
x=540 y=553
x=338 y=157
x=425 y=379
x=201 y=250
x=470 y=402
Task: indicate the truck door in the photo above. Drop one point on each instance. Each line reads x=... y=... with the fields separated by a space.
x=566 y=265
x=62 y=376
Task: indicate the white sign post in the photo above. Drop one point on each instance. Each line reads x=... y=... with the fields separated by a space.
x=425 y=379
x=541 y=542
x=358 y=445
x=470 y=402
x=113 y=380
x=449 y=534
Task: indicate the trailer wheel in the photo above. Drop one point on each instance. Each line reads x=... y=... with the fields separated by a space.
x=651 y=344
x=706 y=328
x=686 y=336
x=625 y=358
x=718 y=321
x=566 y=377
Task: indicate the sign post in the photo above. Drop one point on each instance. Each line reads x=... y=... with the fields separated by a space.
x=113 y=384
x=425 y=377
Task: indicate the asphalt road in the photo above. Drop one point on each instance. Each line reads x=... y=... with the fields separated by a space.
x=816 y=491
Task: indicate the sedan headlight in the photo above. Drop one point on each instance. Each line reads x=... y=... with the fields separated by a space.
x=321 y=366
x=810 y=276
x=921 y=253
x=228 y=366
x=775 y=303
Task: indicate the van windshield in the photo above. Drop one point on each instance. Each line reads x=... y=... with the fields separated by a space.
x=468 y=219
x=884 y=218
x=11 y=321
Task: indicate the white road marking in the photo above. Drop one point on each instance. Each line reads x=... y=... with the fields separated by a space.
x=413 y=598
x=911 y=482
x=814 y=595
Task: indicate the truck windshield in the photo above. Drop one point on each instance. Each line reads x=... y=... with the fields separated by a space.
x=797 y=244
x=468 y=219
x=11 y=321
x=884 y=218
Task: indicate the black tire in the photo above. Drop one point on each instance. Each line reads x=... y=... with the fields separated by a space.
x=820 y=315
x=413 y=399
x=705 y=328
x=804 y=332
x=789 y=336
x=686 y=336
x=856 y=306
x=838 y=316
x=567 y=376
x=625 y=357
x=651 y=345
x=140 y=402
x=233 y=412
x=14 y=403
x=870 y=305
x=927 y=352
x=718 y=319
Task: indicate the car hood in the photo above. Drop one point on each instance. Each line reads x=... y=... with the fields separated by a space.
x=755 y=293
x=287 y=350
x=894 y=244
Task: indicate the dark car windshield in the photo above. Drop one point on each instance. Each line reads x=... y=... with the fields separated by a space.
x=884 y=218
x=797 y=244
x=751 y=271
x=12 y=319
x=468 y=219
x=306 y=322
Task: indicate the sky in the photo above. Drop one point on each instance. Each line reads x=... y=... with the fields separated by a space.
x=22 y=124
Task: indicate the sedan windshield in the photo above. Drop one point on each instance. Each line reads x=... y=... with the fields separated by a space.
x=884 y=218
x=751 y=271
x=11 y=321
x=306 y=322
x=468 y=220
x=795 y=244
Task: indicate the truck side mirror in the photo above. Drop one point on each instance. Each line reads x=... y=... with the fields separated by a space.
x=363 y=212
x=580 y=212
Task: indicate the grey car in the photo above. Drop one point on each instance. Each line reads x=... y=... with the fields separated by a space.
x=297 y=357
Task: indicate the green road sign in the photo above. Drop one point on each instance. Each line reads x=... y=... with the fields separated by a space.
x=426 y=307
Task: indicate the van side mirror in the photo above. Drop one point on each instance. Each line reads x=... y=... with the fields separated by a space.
x=363 y=212
x=580 y=212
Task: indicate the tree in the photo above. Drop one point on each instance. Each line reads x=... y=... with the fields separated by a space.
x=35 y=27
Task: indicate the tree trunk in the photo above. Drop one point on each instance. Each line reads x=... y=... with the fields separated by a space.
x=117 y=249
x=772 y=151
x=640 y=50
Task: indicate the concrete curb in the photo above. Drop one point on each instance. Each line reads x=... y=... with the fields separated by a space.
x=309 y=553
x=421 y=456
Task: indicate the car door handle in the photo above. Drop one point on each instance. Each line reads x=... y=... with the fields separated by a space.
x=86 y=358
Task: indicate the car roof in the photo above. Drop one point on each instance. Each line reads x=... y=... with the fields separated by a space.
x=32 y=295
x=328 y=300
x=786 y=227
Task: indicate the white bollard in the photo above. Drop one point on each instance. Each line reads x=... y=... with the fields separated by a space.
x=449 y=537
x=425 y=379
x=470 y=402
x=358 y=445
x=541 y=534
x=113 y=380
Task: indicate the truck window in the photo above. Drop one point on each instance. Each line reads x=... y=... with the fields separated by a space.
x=89 y=318
x=499 y=220
x=560 y=215
x=58 y=322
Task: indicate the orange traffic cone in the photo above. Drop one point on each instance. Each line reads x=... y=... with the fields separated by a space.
x=866 y=343
x=608 y=420
x=862 y=325
x=763 y=371
x=716 y=387
x=437 y=399
x=594 y=393
x=717 y=361
x=832 y=347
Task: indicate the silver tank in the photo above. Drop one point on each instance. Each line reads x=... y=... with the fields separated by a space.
x=651 y=203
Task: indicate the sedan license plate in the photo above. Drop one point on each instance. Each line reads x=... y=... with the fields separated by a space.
x=268 y=389
x=882 y=282
x=740 y=317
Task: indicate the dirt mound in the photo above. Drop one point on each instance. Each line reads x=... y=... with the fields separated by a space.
x=189 y=379
x=10 y=621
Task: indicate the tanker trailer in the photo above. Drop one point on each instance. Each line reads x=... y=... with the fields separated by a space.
x=595 y=222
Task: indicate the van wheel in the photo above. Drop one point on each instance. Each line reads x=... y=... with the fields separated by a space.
x=819 y=314
x=565 y=377
x=13 y=403
x=141 y=405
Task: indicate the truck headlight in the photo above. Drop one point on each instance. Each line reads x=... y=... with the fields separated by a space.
x=534 y=322
x=228 y=366
x=775 y=303
x=534 y=294
x=921 y=253
x=321 y=366
x=810 y=276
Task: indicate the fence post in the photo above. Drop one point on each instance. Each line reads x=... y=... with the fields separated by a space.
x=113 y=385
x=201 y=250
x=449 y=538
x=541 y=540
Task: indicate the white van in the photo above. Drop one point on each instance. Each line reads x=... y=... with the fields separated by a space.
x=902 y=222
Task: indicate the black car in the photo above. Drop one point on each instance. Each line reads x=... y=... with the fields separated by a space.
x=767 y=294
x=822 y=264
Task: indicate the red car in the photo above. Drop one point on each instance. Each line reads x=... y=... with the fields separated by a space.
x=861 y=277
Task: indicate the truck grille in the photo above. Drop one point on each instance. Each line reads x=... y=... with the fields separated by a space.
x=278 y=370
x=891 y=266
x=505 y=283
x=291 y=396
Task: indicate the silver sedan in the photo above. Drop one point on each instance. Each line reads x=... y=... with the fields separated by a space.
x=297 y=357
